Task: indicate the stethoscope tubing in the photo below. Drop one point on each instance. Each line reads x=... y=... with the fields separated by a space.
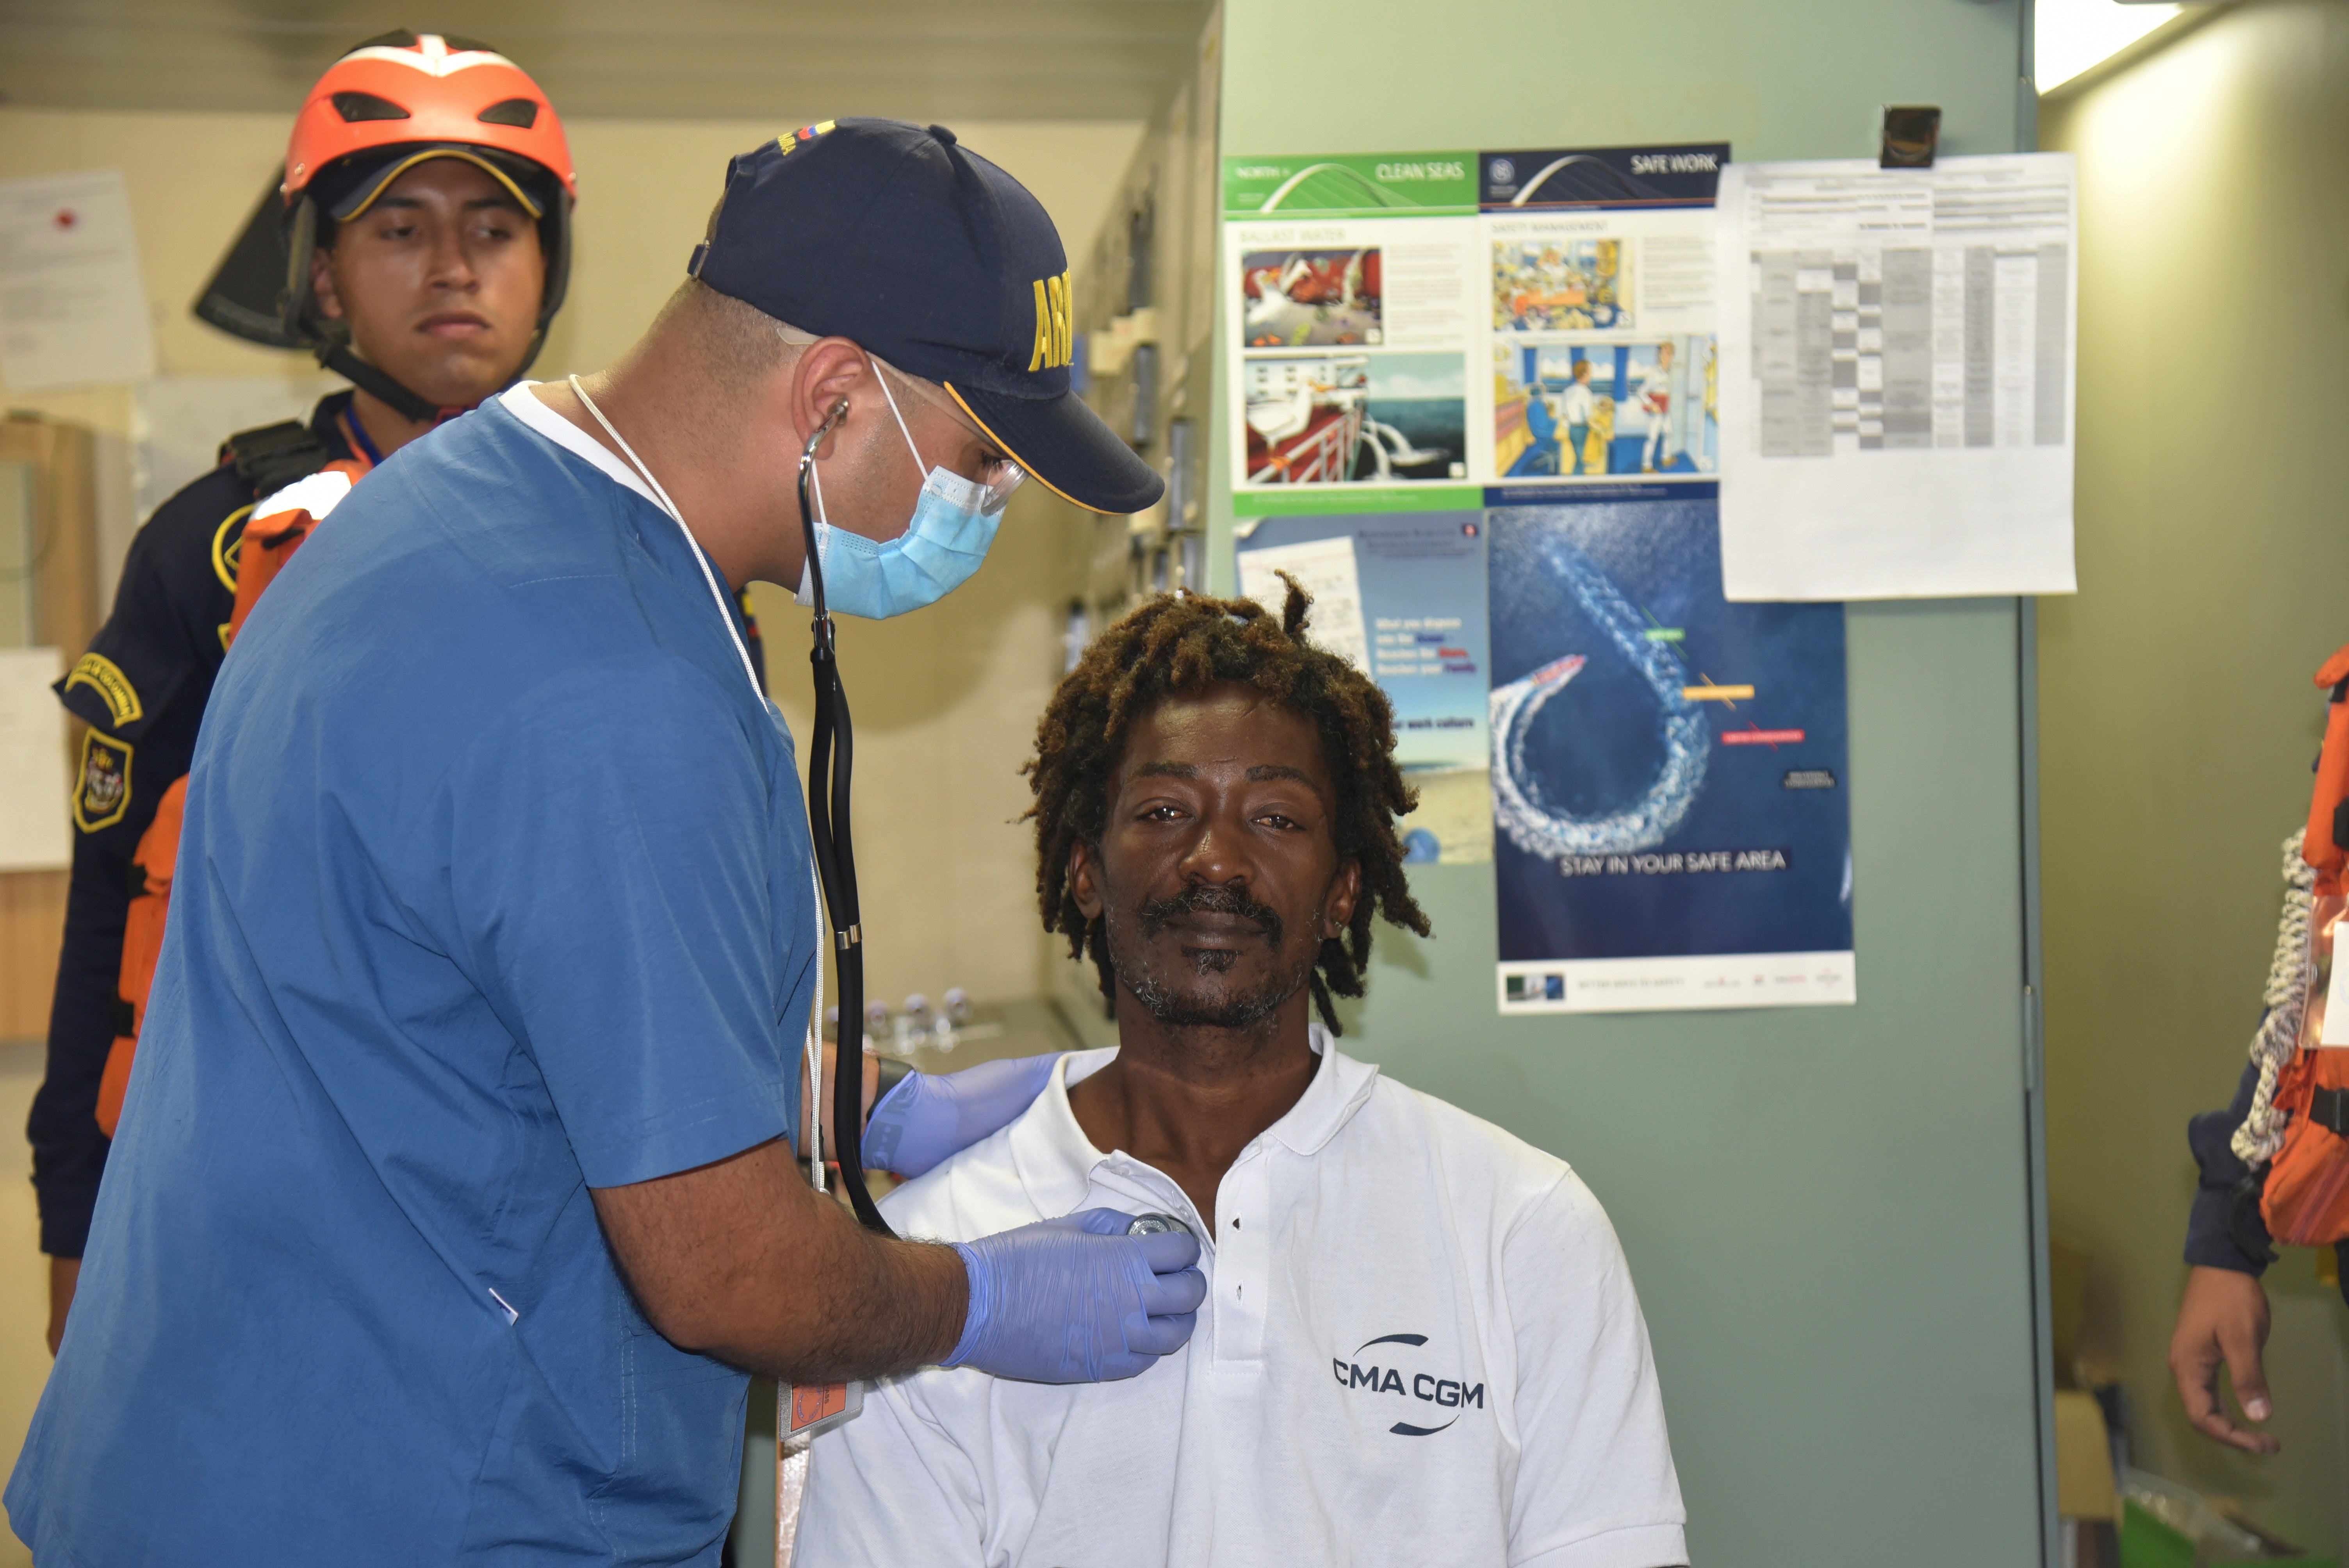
x=831 y=756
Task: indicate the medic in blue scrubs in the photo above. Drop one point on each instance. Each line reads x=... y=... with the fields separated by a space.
x=454 y=1195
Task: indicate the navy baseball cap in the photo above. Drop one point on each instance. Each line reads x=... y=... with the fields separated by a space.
x=923 y=253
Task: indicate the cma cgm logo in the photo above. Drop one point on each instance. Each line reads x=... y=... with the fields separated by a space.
x=1398 y=1378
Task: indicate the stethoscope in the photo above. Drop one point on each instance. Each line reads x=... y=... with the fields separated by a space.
x=830 y=759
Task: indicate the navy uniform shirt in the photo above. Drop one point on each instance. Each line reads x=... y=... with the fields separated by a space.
x=141 y=688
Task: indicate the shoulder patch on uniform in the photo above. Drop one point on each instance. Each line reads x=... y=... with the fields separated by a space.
x=104 y=676
x=102 y=792
x=225 y=549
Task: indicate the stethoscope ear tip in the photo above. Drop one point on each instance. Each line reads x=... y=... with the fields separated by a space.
x=838 y=412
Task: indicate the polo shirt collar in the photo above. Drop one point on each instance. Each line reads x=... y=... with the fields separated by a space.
x=1330 y=1101
x=1055 y=1161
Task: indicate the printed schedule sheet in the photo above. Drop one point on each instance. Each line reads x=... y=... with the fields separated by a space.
x=1897 y=401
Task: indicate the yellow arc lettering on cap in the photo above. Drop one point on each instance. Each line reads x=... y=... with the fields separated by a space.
x=1055 y=335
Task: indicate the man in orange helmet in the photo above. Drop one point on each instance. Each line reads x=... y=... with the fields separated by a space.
x=419 y=245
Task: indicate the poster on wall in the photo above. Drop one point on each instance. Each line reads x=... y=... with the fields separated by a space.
x=1421 y=320
x=1899 y=422
x=1669 y=770
x=1601 y=348
x=1402 y=595
x=1352 y=286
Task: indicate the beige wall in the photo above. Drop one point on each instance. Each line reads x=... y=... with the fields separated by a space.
x=2178 y=719
x=645 y=187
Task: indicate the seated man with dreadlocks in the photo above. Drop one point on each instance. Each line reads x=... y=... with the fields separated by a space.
x=1421 y=1344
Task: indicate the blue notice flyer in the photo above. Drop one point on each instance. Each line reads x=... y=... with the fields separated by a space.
x=1670 y=771
x=1402 y=594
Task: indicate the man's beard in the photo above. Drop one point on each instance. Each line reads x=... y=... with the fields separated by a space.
x=1235 y=1010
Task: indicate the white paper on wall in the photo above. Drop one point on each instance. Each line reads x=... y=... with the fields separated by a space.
x=73 y=303
x=1324 y=568
x=1897 y=378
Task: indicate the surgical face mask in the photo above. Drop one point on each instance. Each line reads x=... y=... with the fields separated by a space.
x=954 y=522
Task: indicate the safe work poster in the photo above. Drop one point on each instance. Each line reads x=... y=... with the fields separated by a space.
x=1670 y=771
x=1418 y=321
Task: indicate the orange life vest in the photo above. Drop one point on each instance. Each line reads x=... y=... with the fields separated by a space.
x=271 y=538
x=2305 y=1200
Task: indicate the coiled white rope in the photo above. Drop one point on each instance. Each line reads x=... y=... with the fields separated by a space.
x=2261 y=1134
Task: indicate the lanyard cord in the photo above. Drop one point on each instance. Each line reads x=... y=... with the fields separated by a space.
x=356 y=432
x=700 y=557
x=819 y=875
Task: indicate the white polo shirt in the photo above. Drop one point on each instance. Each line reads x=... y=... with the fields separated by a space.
x=1420 y=1346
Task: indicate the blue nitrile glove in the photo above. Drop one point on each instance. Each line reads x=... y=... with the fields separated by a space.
x=1077 y=1300
x=926 y=1116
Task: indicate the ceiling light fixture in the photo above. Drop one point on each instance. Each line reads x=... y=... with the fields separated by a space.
x=2074 y=37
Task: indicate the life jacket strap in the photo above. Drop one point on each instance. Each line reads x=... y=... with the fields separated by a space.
x=273 y=456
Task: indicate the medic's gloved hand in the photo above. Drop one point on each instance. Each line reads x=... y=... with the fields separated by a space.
x=926 y=1116
x=1077 y=1300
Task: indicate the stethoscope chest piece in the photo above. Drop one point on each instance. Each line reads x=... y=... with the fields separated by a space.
x=1156 y=1225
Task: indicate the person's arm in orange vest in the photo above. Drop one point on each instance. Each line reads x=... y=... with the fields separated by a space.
x=2222 y=1318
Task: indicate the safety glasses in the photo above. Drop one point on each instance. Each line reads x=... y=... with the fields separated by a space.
x=999 y=479
x=996 y=478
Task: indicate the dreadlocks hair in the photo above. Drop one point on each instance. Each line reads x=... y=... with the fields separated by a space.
x=1182 y=643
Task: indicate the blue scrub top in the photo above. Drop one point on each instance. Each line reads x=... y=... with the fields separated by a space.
x=493 y=888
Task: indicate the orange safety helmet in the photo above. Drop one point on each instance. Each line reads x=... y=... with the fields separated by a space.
x=427 y=95
x=387 y=106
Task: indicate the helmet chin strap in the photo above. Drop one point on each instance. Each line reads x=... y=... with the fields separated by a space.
x=337 y=356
